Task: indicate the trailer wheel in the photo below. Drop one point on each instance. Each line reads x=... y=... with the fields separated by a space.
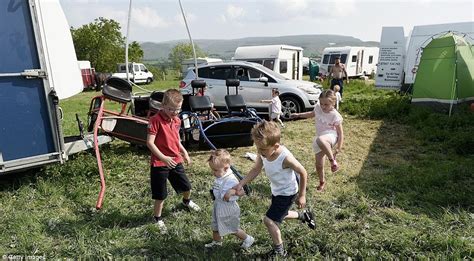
x=289 y=105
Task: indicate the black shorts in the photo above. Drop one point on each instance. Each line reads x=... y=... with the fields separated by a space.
x=279 y=207
x=178 y=179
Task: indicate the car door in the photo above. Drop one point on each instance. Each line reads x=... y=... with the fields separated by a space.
x=216 y=88
x=251 y=89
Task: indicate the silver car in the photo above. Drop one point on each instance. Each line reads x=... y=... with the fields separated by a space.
x=256 y=84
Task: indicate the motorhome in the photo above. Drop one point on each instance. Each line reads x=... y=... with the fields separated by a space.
x=38 y=69
x=186 y=63
x=401 y=60
x=286 y=60
x=359 y=60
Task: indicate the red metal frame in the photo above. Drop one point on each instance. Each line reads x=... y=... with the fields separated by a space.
x=103 y=113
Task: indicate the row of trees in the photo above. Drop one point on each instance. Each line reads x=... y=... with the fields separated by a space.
x=102 y=43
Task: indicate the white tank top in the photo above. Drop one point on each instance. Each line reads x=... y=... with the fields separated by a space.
x=283 y=181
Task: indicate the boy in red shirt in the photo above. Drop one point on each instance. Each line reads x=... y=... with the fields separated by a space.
x=167 y=155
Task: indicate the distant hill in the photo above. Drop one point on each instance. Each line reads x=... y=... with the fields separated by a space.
x=313 y=45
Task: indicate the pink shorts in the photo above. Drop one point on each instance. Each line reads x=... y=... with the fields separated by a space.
x=332 y=139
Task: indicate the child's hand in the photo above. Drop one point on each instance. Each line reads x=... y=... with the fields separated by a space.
x=301 y=201
x=170 y=163
x=237 y=187
x=240 y=192
x=186 y=158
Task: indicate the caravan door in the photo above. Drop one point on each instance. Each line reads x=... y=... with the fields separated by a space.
x=29 y=131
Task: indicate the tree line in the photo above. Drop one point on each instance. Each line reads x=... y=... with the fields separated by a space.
x=102 y=43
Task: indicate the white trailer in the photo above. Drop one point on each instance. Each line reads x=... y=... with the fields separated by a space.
x=393 y=53
x=359 y=60
x=286 y=60
x=38 y=68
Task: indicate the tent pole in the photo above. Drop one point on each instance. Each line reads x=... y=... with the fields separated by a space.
x=454 y=88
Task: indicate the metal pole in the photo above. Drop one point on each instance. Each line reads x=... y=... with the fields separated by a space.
x=190 y=38
x=126 y=38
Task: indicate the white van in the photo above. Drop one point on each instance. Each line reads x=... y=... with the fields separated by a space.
x=359 y=60
x=286 y=60
x=399 y=61
x=137 y=73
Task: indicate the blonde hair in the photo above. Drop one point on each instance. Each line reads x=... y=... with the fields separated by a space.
x=172 y=96
x=266 y=133
x=220 y=157
x=328 y=94
x=336 y=88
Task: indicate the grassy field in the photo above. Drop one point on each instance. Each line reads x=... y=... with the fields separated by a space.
x=405 y=191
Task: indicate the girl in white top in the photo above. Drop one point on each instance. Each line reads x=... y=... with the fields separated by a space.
x=275 y=107
x=226 y=211
x=281 y=168
x=337 y=88
x=329 y=133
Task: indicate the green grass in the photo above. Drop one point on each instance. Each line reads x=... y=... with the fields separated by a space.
x=404 y=191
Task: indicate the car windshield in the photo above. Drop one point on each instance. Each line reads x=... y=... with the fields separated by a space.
x=270 y=72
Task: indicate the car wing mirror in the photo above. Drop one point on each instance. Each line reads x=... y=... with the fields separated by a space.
x=264 y=80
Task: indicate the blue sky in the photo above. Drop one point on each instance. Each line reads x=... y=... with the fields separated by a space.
x=161 y=20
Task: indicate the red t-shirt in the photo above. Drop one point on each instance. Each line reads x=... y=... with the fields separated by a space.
x=167 y=138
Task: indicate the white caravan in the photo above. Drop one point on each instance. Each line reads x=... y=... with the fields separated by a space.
x=393 y=39
x=359 y=60
x=286 y=60
x=186 y=63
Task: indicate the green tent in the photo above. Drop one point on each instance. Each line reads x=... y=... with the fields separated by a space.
x=445 y=75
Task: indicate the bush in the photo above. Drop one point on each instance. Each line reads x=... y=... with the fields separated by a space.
x=378 y=105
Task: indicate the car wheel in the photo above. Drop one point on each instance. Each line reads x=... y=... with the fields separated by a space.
x=148 y=80
x=289 y=105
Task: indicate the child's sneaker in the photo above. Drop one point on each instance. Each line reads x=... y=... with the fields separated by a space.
x=309 y=219
x=192 y=206
x=321 y=186
x=276 y=253
x=161 y=226
x=334 y=165
x=213 y=244
x=248 y=242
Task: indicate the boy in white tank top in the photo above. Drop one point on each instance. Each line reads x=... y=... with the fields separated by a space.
x=287 y=177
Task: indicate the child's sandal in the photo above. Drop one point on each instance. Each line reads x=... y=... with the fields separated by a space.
x=334 y=165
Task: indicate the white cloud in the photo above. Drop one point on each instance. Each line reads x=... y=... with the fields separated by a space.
x=147 y=17
x=232 y=14
x=178 y=18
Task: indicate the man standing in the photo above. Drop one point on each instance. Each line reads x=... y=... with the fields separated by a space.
x=336 y=74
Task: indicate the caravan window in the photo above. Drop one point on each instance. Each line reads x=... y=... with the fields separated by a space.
x=343 y=58
x=354 y=58
x=326 y=59
x=255 y=61
x=283 y=66
x=269 y=64
x=371 y=59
